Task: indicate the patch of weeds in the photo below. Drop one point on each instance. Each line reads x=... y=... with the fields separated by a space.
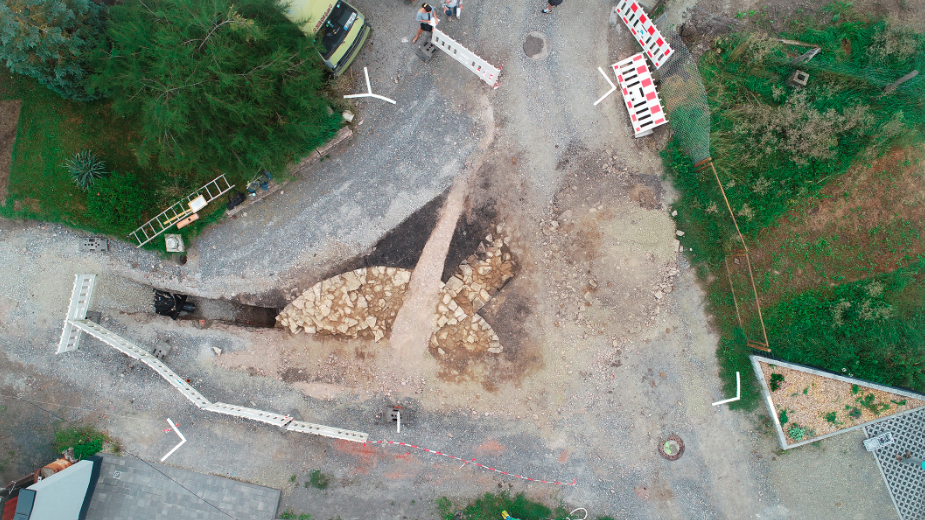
x=86 y=440
x=853 y=411
x=288 y=514
x=870 y=402
x=776 y=380
x=490 y=505
x=797 y=433
x=832 y=418
x=898 y=403
x=319 y=480
x=292 y=478
x=806 y=391
x=855 y=389
x=5 y=461
x=783 y=417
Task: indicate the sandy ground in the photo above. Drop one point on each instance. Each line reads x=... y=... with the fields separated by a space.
x=607 y=349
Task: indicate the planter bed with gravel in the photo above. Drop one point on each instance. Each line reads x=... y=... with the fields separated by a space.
x=807 y=404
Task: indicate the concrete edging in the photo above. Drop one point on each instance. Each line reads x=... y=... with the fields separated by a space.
x=782 y=437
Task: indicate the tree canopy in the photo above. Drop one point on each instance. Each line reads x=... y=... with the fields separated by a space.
x=215 y=84
x=51 y=40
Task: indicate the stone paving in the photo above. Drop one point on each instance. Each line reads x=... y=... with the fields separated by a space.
x=129 y=488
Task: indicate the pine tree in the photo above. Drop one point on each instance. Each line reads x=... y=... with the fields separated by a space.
x=216 y=84
x=51 y=41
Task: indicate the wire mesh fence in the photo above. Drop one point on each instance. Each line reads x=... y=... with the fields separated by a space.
x=682 y=90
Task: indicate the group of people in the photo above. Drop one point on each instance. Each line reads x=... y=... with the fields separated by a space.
x=428 y=21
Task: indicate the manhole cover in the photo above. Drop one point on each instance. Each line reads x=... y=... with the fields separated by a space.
x=536 y=46
x=671 y=448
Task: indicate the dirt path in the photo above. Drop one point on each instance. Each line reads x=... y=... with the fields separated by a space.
x=414 y=322
x=9 y=117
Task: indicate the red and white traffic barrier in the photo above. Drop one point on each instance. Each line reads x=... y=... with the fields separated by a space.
x=639 y=95
x=645 y=31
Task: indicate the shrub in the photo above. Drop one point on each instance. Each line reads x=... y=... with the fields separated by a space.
x=783 y=417
x=776 y=380
x=832 y=418
x=118 y=202
x=489 y=507
x=85 y=169
x=85 y=440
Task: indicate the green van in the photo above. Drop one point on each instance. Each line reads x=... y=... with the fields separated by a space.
x=341 y=28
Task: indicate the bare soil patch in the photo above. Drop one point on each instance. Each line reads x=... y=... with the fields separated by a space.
x=9 y=118
x=820 y=405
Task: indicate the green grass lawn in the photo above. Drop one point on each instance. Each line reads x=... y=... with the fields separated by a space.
x=51 y=130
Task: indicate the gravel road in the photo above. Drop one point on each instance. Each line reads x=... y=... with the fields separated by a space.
x=593 y=376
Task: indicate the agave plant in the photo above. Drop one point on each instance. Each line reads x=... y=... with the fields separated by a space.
x=85 y=168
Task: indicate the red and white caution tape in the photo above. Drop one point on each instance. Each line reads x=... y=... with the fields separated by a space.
x=474 y=463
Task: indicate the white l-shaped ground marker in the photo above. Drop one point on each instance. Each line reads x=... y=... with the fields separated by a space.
x=182 y=439
x=738 y=393
x=369 y=91
x=612 y=86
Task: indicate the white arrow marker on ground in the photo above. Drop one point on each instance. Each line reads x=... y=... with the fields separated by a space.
x=182 y=440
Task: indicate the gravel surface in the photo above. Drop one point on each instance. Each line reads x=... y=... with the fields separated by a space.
x=593 y=377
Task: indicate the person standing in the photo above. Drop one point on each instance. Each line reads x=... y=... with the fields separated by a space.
x=427 y=20
x=450 y=7
x=552 y=3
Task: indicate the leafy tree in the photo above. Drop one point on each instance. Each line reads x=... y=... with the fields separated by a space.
x=51 y=40
x=216 y=84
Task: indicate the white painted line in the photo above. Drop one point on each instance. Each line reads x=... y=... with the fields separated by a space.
x=738 y=393
x=369 y=91
x=609 y=92
x=398 y=416
x=182 y=440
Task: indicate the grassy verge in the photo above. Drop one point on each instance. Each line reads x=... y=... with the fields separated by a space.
x=821 y=180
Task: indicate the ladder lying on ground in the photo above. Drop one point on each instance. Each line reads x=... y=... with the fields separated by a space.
x=181 y=210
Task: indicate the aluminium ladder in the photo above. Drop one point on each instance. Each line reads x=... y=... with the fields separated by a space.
x=180 y=210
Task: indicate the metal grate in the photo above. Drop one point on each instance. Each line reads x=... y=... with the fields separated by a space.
x=905 y=482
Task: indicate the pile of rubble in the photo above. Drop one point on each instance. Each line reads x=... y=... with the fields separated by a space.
x=360 y=303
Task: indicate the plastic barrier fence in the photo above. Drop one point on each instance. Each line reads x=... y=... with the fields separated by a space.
x=645 y=31
x=77 y=310
x=75 y=324
x=484 y=70
x=639 y=94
